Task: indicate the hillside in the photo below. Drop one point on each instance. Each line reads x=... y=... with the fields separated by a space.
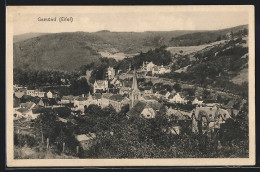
x=68 y=51
x=23 y=37
x=64 y=51
x=200 y=38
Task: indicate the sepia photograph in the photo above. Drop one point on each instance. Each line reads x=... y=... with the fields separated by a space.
x=130 y=85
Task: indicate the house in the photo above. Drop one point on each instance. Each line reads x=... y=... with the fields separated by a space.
x=25 y=109
x=80 y=103
x=118 y=101
x=208 y=119
x=67 y=99
x=118 y=84
x=143 y=110
x=124 y=90
x=30 y=92
x=45 y=102
x=105 y=99
x=161 y=70
x=100 y=85
x=177 y=98
x=86 y=140
x=50 y=94
x=147 y=66
x=96 y=99
x=148 y=91
x=35 y=93
x=19 y=94
x=110 y=73
x=155 y=70
x=197 y=101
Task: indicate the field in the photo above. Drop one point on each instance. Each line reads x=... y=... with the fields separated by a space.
x=191 y=49
x=241 y=77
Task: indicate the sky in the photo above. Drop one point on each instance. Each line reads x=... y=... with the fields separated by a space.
x=128 y=19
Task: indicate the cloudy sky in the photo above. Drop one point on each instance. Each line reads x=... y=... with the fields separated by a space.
x=128 y=18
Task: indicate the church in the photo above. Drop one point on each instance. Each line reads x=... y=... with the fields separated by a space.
x=139 y=107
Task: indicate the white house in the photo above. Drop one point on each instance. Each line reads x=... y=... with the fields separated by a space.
x=161 y=69
x=100 y=85
x=110 y=72
x=25 y=109
x=35 y=93
x=50 y=94
x=148 y=66
x=177 y=99
x=67 y=99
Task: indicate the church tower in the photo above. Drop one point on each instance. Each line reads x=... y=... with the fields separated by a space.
x=135 y=94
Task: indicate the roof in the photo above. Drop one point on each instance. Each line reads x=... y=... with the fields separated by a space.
x=116 y=97
x=113 y=81
x=97 y=96
x=150 y=97
x=190 y=98
x=22 y=110
x=19 y=94
x=81 y=98
x=211 y=114
x=209 y=101
x=106 y=95
x=49 y=101
x=137 y=109
x=69 y=97
x=177 y=114
x=125 y=88
x=100 y=82
x=127 y=83
x=27 y=105
x=84 y=137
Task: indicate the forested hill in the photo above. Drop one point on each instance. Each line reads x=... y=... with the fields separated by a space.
x=69 y=51
x=22 y=37
x=200 y=38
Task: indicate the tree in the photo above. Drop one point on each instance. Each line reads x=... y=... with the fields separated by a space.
x=46 y=126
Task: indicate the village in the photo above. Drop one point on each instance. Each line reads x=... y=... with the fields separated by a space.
x=122 y=90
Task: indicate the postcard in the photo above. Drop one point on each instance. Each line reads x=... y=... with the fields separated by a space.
x=130 y=86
